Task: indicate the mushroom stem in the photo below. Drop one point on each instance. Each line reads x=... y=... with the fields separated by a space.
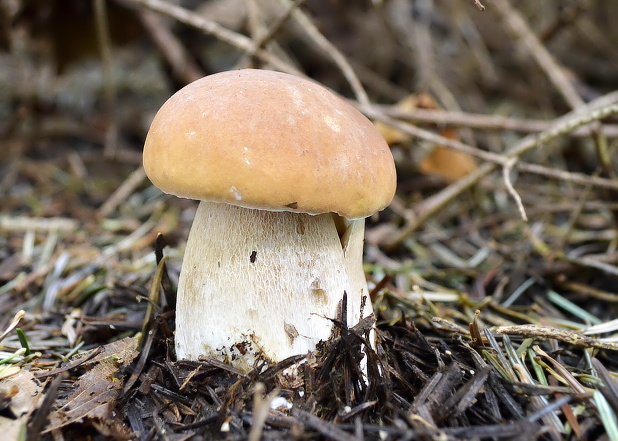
x=352 y=243
x=259 y=283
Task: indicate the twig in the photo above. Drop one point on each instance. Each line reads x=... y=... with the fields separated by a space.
x=261 y=35
x=574 y=216
x=109 y=89
x=564 y=124
x=411 y=20
x=325 y=428
x=210 y=27
x=378 y=83
x=255 y=23
x=554 y=72
x=182 y=66
x=261 y=41
x=482 y=122
x=329 y=49
x=73 y=364
x=375 y=113
x=120 y=195
x=417 y=132
x=479 y=5
x=26 y=223
x=261 y=409
x=561 y=175
x=566 y=16
x=506 y=171
x=549 y=333
x=591 y=262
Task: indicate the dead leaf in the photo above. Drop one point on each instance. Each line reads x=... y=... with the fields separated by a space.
x=446 y=163
x=8 y=371
x=391 y=134
x=20 y=394
x=98 y=388
x=122 y=351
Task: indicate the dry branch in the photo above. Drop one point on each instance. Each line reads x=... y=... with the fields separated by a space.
x=549 y=333
x=563 y=125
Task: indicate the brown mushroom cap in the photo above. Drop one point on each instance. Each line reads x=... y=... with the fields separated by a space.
x=269 y=140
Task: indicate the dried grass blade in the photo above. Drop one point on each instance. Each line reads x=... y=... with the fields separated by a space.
x=20 y=315
x=607 y=415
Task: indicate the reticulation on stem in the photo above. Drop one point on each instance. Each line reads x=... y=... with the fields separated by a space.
x=259 y=283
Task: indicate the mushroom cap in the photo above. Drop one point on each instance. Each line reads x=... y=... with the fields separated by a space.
x=269 y=140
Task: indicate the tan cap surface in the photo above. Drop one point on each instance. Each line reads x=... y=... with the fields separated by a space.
x=269 y=140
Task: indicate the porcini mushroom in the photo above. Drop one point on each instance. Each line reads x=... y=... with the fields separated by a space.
x=286 y=172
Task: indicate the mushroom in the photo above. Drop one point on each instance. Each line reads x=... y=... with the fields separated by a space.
x=286 y=172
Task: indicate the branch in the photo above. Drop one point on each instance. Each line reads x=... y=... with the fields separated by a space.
x=213 y=28
x=563 y=125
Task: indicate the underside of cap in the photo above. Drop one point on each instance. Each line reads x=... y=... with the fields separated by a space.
x=269 y=140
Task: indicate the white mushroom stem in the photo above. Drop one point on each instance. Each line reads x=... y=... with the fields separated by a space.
x=352 y=242
x=256 y=281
